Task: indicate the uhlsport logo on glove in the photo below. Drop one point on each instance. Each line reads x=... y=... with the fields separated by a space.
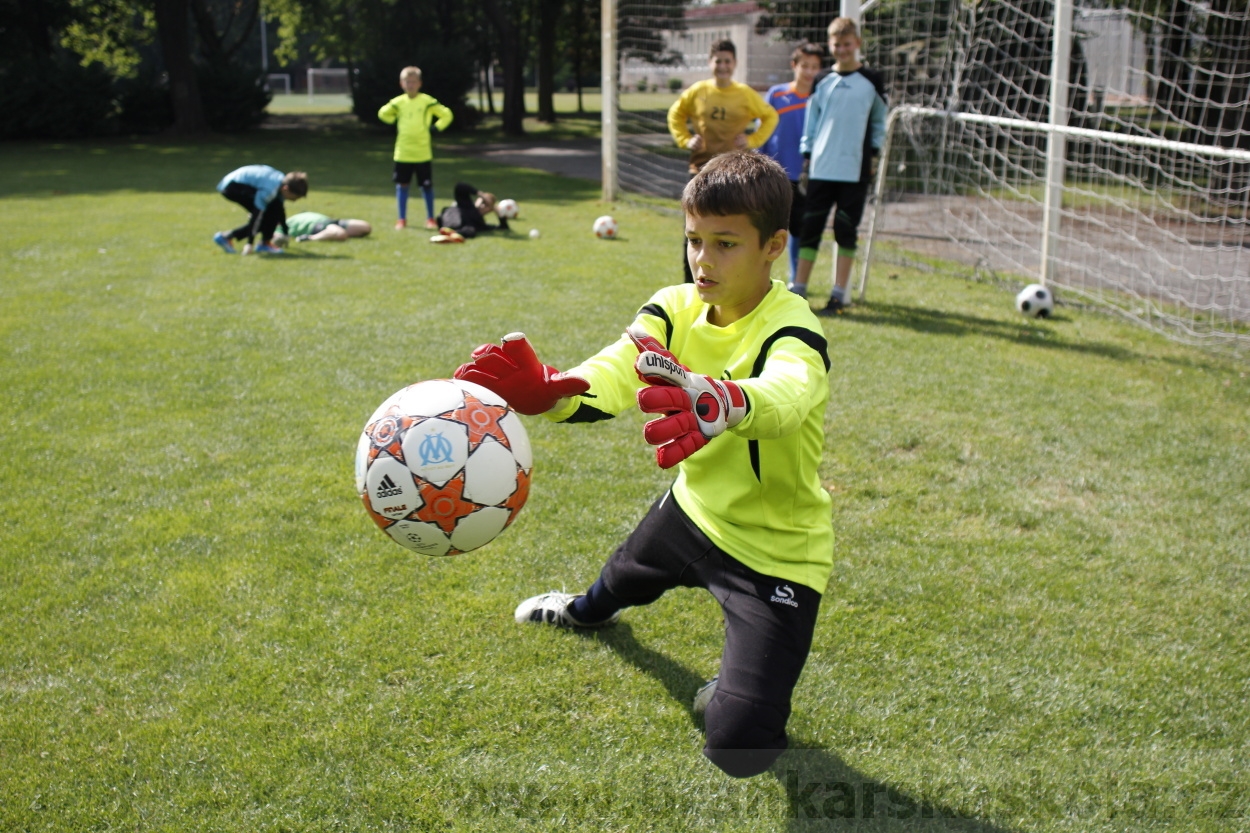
x=707 y=407
x=651 y=359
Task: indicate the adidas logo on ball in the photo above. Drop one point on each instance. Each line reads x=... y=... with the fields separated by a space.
x=386 y=488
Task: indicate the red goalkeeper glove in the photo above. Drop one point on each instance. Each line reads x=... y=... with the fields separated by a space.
x=696 y=408
x=514 y=372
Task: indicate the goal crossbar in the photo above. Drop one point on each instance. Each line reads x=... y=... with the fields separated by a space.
x=1213 y=151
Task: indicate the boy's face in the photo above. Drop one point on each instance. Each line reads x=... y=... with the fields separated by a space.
x=723 y=65
x=288 y=194
x=730 y=267
x=411 y=84
x=806 y=68
x=845 y=49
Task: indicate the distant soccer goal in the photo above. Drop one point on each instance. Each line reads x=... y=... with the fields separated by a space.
x=278 y=83
x=1103 y=150
x=1097 y=146
x=328 y=82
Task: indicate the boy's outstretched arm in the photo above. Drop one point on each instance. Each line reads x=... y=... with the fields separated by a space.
x=696 y=408
x=514 y=372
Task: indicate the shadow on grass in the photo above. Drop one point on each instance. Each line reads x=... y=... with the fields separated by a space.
x=355 y=162
x=823 y=793
x=299 y=254
x=1037 y=332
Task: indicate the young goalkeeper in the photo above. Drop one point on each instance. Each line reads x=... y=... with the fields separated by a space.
x=736 y=368
x=414 y=114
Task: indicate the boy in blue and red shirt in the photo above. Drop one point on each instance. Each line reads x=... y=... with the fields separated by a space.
x=790 y=102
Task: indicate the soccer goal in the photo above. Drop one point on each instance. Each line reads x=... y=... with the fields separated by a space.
x=278 y=82
x=1100 y=147
x=328 y=82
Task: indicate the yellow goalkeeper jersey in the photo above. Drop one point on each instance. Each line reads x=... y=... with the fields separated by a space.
x=413 y=117
x=754 y=490
x=719 y=115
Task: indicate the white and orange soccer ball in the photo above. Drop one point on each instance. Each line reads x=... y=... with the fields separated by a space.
x=507 y=209
x=605 y=228
x=443 y=466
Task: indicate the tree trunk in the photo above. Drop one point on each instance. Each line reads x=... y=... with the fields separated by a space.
x=512 y=62
x=549 y=16
x=174 y=31
x=579 y=23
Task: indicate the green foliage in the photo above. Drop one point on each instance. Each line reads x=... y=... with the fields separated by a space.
x=234 y=97
x=1038 y=620
x=55 y=97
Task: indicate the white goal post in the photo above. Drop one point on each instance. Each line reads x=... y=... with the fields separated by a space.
x=274 y=80
x=1098 y=146
x=1143 y=253
x=331 y=81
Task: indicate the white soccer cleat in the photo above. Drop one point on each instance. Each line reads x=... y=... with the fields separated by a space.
x=553 y=609
x=704 y=695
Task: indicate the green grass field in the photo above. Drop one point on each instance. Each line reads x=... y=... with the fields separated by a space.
x=1037 y=619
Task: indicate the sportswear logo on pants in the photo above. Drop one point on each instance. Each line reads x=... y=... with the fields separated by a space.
x=783 y=594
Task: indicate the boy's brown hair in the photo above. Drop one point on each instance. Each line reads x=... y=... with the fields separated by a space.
x=723 y=46
x=816 y=49
x=296 y=182
x=406 y=71
x=843 y=26
x=741 y=182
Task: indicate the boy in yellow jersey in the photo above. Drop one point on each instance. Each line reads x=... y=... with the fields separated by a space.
x=415 y=113
x=719 y=109
x=736 y=366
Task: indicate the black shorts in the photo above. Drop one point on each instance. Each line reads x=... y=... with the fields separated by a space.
x=403 y=172
x=768 y=630
x=824 y=194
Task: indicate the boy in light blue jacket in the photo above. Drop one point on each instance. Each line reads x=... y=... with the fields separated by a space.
x=261 y=191
x=844 y=131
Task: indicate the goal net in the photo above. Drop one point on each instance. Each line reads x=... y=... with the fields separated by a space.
x=278 y=83
x=328 y=82
x=1120 y=176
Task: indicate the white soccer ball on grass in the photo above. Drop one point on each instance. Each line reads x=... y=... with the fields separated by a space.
x=605 y=228
x=1035 y=301
x=507 y=209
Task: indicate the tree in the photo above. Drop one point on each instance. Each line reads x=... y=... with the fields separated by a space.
x=175 y=38
x=549 y=13
x=503 y=16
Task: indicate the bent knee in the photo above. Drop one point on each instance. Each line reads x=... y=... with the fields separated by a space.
x=744 y=737
x=845 y=230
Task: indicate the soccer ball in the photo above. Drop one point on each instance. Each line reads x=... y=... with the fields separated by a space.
x=535 y=233
x=443 y=466
x=1035 y=301
x=507 y=209
x=605 y=227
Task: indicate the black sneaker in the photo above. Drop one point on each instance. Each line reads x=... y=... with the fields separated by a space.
x=834 y=307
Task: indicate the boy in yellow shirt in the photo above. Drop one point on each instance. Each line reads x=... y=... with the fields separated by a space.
x=414 y=113
x=719 y=109
x=736 y=368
